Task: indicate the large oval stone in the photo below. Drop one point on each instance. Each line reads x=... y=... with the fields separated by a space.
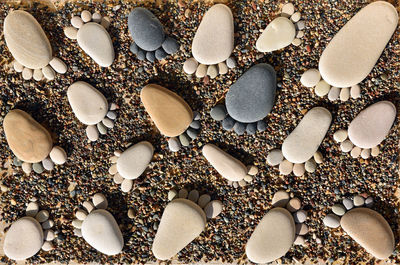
x=101 y=231
x=277 y=35
x=213 y=42
x=88 y=104
x=252 y=96
x=372 y=125
x=303 y=142
x=134 y=161
x=26 y=40
x=272 y=238
x=24 y=239
x=170 y=113
x=226 y=165
x=181 y=222
x=355 y=49
x=96 y=42
x=27 y=139
x=146 y=29
x=369 y=229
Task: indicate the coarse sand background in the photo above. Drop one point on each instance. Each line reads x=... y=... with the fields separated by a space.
x=86 y=170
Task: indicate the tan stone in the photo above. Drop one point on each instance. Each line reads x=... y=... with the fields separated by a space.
x=170 y=113
x=277 y=35
x=28 y=140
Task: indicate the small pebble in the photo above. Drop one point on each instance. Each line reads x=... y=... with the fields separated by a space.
x=358 y=201
x=338 y=209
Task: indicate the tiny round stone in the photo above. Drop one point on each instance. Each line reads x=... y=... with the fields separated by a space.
x=81 y=215
x=126 y=185
x=193 y=195
x=58 y=155
x=77 y=22
x=213 y=208
x=299 y=240
x=32 y=209
x=38 y=168
x=252 y=170
x=280 y=199
x=338 y=209
x=369 y=202
x=346 y=146
x=331 y=220
x=231 y=62
x=340 y=135
x=131 y=213
x=344 y=94
x=174 y=144
x=355 y=152
x=285 y=167
x=299 y=169
x=86 y=16
x=42 y=216
x=48 y=164
x=310 y=166
x=99 y=201
x=365 y=153
x=92 y=133
x=310 y=78
x=275 y=157
x=358 y=201
x=294 y=205
x=183 y=193
x=118 y=179
x=348 y=204
x=204 y=200
x=228 y=123
x=300 y=216
x=375 y=151
x=318 y=158
x=322 y=88
x=172 y=194
x=355 y=91
x=239 y=128
x=288 y=9
x=218 y=113
x=184 y=139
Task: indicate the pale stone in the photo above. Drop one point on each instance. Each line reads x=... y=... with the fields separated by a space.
x=310 y=78
x=285 y=167
x=96 y=17
x=294 y=205
x=86 y=16
x=71 y=33
x=340 y=135
x=248 y=178
x=47 y=246
x=81 y=215
x=299 y=240
x=252 y=170
x=334 y=93
x=172 y=194
x=42 y=216
x=27 y=168
x=299 y=169
x=212 y=71
x=318 y=158
x=27 y=74
x=344 y=94
x=126 y=185
x=358 y=201
x=134 y=161
x=18 y=67
x=49 y=235
x=182 y=221
x=338 y=209
x=346 y=146
x=183 y=193
x=222 y=68
x=277 y=35
x=58 y=155
x=118 y=179
x=275 y=157
x=296 y=42
x=300 y=216
x=99 y=201
x=332 y=221
x=348 y=204
x=88 y=206
x=375 y=151
x=48 y=72
x=295 y=17
x=355 y=152
x=47 y=224
x=201 y=70
x=190 y=66
x=355 y=91
x=310 y=166
x=37 y=74
x=32 y=209
x=77 y=22
x=58 y=65
x=92 y=133
x=226 y=165
x=322 y=88
x=213 y=208
x=288 y=9
x=77 y=223
x=280 y=199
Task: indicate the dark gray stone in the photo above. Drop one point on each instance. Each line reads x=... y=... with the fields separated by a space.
x=134 y=48
x=228 y=123
x=38 y=168
x=252 y=97
x=141 y=55
x=239 y=128
x=261 y=126
x=195 y=125
x=170 y=45
x=146 y=29
x=150 y=56
x=192 y=133
x=251 y=128
x=160 y=54
x=218 y=113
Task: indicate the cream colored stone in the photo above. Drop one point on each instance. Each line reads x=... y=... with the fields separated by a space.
x=310 y=78
x=277 y=35
x=58 y=65
x=71 y=33
x=322 y=88
x=134 y=161
x=280 y=199
x=285 y=167
x=48 y=72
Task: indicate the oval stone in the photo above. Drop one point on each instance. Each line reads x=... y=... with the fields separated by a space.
x=26 y=40
x=370 y=127
x=272 y=238
x=146 y=29
x=96 y=42
x=27 y=139
x=252 y=96
x=170 y=113
x=181 y=222
x=355 y=49
x=226 y=165
x=134 y=161
x=213 y=41
x=24 y=239
x=369 y=229
x=101 y=231
x=277 y=35
x=88 y=104
x=304 y=140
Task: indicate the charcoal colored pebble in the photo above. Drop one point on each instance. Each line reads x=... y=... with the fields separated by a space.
x=160 y=54
x=134 y=48
x=251 y=128
x=239 y=128
x=218 y=113
x=141 y=55
x=228 y=123
x=184 y=139
x=38 y=168
x=261 y=126
x=170 y=45
x=150 y=56
x=192 y=133
x=195 y=125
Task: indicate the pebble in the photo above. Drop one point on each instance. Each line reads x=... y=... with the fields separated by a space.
x=195 y=124
x=183 y=193
x=32 y=209
x=118 y=179
x=338 y=209
x=48 y=164
x=108 y=123
x=280 y=199
x=340 y=135
x=375 y=151
x=318 y=158
x=251 y=128
x=365 y=153
x=27 y=167
x=88 y=206
x=192 y=133
x=174 y=144
x=239 y=128
x=77 y=22
x=190 y=66
x=58 y=155
x=58 y=65
x=294 y=205
x=358 y=201
x=92 y=133
x=322 y=88
x=193 y=195
x=204 y=200
x=248 y=178
x=134 y=160
x=184 y=139
x=47 y=224
x=42 y=216
x=301 y=229
x=18 y=67
x=295 y=17
x=310 y=78
x=126 y=185
x=86 y=16
x=49 y=235
x=170 y=45
x=275 y=157
x=299 y=169
x=346 y=146
x=310 y=166
x=218 y=113
x=37 y=168
x=334 y=93
x=355 y=91
x=252 y=170
x=131 y=213
x=231 y=62
x=288 y=9
x=228 y=123
x=213 y=208
x=47 y=246
x=48 y=72
x=99 y=202
x=71 y=33
x=201 y=71
x=348 y=204
x=299 y=240
x=369 y=202
x=300 y=216
x=332 y=221
x=212 y=71
x=222 y=68
x=27 y=74
x=80 y=214
x=285 y=167
x=278 y=34
x=17 y=162
x=344 y=94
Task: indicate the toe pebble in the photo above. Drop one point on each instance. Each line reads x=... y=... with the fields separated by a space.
x=300 y=216
x=172 y=194
x=190 y=66
x=280 y=199
x=346 y=146
x=358 y=201
x=275 y=157
x=348 y=204
x=340 y=135
x=334 y=93
x=365 y=153
x=32 y=209
x=49 y=235
x=322 y=88
x=48 y=72
x=86 y=16
x=212 y=71
x=355 y=91
x=27 y=73
x=37 y=74
x=42 y=216
x=99 y=201
x=222 y=68
x=369 y=202
x=310 y=166
x=218 y=113
x=375 y=151
x=204 y=200
x=355 y=152
x=338 y=209
x=295 y=17
x=193 y=195
x=332 y=221
x=301 y=229
x=294 y=205
x=126 y=185
x=252 y=170
x=81 y=215
x=96 y=17
x=288 y=9
x=285 y=167
x=118 y=179
x=92 y=133
x=18 y=67
x=213 y=208
x=318 y=158
x=88 y=206
x=27 y=167
x=299 y=169
x=174 y=144
x=310 y=78
x=183 y=193
x=170 y=45
x=344 y=94
x=299 y=240
x=228 y=123
x=201 y=71
x=47 y=224
x=48 y=164
x=58 y=155
x=47 y=246
x=58 y=65
x=77 y=22
x=231 y=62
x=71 y=33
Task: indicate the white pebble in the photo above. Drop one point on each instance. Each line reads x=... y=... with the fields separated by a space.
x=47 y=246
x=300 y=216
x=346 y=146
x=92 y=133
x=358 y=201
x=108 y=123
x=18 y=67
x=375 y=151
x=334 y=93
x=58 y=155
x=37 y=74
x=252 y=170
x=172 y=194
x=295 y=17
x=27 y=73
x=77 y=223
x=344 y=94
x=86 y=16
x=99 y=201
x=340 y=135
x=81 y=215
x=88 y=206
x=49 y=235
x=322 y=88
x=27 y=167
x=355 y=152
x=275 y=157
x=288 y=9
x=96 y=17
x=365 y=153
x=126 y=185
x=332 y=221
x=310 y=165
x=77 y=22
x=32 y=209
x=310 y=78
x=299 y=170
x=47 y=224
x=118 y=179
x=355 y=91
x=285 y=167
x=71 y=33
x=48 y=164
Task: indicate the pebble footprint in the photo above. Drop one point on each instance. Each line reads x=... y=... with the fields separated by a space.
x=149 y=37
x=343 y=64
x=300 y=149
x=229 y=167
x=130 y=164
x=98 y=227
x=248 y=101
x=366 y=226
x=278 y=230
x=212 y=44
x=90 y=31
x=183 y=219
x=31 y=143
x=30 y=47
x=282 y=31
x=29 y=234
x=367 y=131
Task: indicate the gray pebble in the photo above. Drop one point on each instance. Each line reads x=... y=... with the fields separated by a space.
x=338 y=209
x=38 y=168
x=192 y=133
x=170 y=45
x=251 y=128
x=300 y=216
x=102 y=129
x=239 y=128
x=369 y=202
x=48 y=164
x=228 y=123
x=134 y=48
x=17 y=162
x=231 y=62
x=218 y=113
x=261 y=125
x=184 y=139
x=141 y=55
x=196 y=115
x=112 y=115
x=173 y=144
x=332 y=221
x=195 y=125
x=150 y=56
x=348 y=203
x=160 y=54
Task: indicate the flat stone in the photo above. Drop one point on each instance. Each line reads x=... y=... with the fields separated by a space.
x=32 y=209
x=334 y=93
x=58 y=65
x=322 y=88
x=239 y=128
x=99 y=201
x=192 y=133
x=184 y=139
x=280 y=199
x=48 y=72
x=182 y=221
x=92 y=133
x=331 y=220
x=301 y=229
x=358 y=201
x=343 y=63
x=348 y=204
x=134 y=161
x=26 y=40
x=213 y=41
x=27 y=167
x=37 y=168
x=170 y=45
x=338 y=209
x=300 y=216
x=310 y=78
x=71 y=33
x=274 y=157
x=285 y=167
x=299 y=170
x=24 y=239
x=96 y=42
x=58 y=155
x=174 y=144
x=88 y=104
x=48 y=164
x=252 y=96
x=190 y=66
x=146 y=29
x=226 y=165
x=355 y=91
x=304 y=140
x=101 y=231
x=277 y=35
x=344 y=94
x=228 y=123
x=272 y=238
x=193 y=195
x=213 y=208
x=126 y=185
x=369 y=229
x=251 y=128
x=370 y=127
x=340 y=135
x=204 y=200
x=27 y=139
x=294 y=205
x=170 y=113
x=201 y=70
x=218 y=113
x=42 y=216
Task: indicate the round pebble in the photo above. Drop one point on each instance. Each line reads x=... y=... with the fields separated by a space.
x=42 y=216
x=322 y=88
x=275 y=157
x=299 y=170
x=38 y=168
x=183 y=193
x=294 y=205
x=358 y=201
x=77 y=22
x=218 y=113
x=204 y=200
x=99 y=201
x=375 y=151
x=348 y=204
x=299 y=240
x=300 y=216
x=340 y=135
x=58 y=155
x=334 y=93
x=48 y=164
x=288 y=9
x=131 y=213
x=193 y=195
x=355 y=152
x=228 y=123
x=49 y=235
x=213 y=208
x=301 y=229
x=92 y=133
x=174 y=144
x=318 y=158
x=285 y=167
x=344 y=94
x=252 y=170
x=32 y=209
x=310 y=166
x=332 y=221
x=365 y=153
x=310 y=78
x=231 y=62
x=118 y=179
x=126 y=185
x=86 y=16
x=47 y=246
x=346 y=146
x=369 y=202
x=355 y=91
x=338 y=209
x=280 y=199
x=184 y=139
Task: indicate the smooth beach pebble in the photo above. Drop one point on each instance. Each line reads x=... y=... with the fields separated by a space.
x=322 y=88
x=58 y=155
x=310 y=78
x=92 y=133
x=190 y=66
x=299 y=170
x=193 y=195
x=32 y=209
x=348 y=203
x=278 y=34
x=334 y=93
x=301 y=229
x=174 y=144
x=294 y=205
x=280 y=199
x=346 y=146
x=332 y=221
x=213 y=208
x=286 y=167
x=338 y=209
x=300 y=216
x=358 y=201
x=340 y=135
x=42 y=216
x=100 y=201
x=274 y=157
x=48 y=164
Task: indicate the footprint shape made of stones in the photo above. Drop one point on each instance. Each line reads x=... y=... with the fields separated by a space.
x=366 y=226
x=183 y=219
x=171 y=114
x=130 y=164
x=300 y=149
x=248 y=101
x=92 y=109
x=213 y=44
x=29 y=234
x=229 y=167
x=31 y=143
x=343 y=65
x=367 y=131
x=150 y=41
x=282 y=31
x=278 y=230
x=90 y=31
x=30 y=47
x=98 y=227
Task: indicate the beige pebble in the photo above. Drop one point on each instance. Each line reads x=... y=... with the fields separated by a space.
x=77 y=223
x=88 y=206
x=334 y=93
x=99 y=201
x=48 y=72
x=288 y=9
x=212 y=71
x=81 y=215
x=183 y=193
x=340 y=135
x=300 y=34
x=355 y=91
x=248 y=178
x=86 y=16
x=27 y=73
x=344 y=94
x=27 y=167
x=204 y=200
x=105 y=22
x=131 y=213
x=126 y=185
x=318 y=157
x=375 y=151
x=76 y=22
x=96 y=17
x=201 y=71
x=299 y=240
x=47 y=246
x=37 y=74
x=114 y=159
x=299 y=170
x=296 y=17
x=285 y=167
x=242 y=183
x=71 y=33
x=301 y=229
x=365 y=153
x=190 y=66
x=280 y=199
x=58 y=155
x=172 y=194
x=346 y=146
x=322 y=88
x=222 y=68
x=58 y=65
x=49 y=235
x=42 y=216
x=18 y=67
x=310 y=166
x=355 y=152
x=118 y=179
x=113 y=169
x=294 y=205
x=296 y=42
x=32 y=209
x=252 y=170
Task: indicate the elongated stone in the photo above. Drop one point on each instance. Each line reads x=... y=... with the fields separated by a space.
x=277 y=35
x=134 y=161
